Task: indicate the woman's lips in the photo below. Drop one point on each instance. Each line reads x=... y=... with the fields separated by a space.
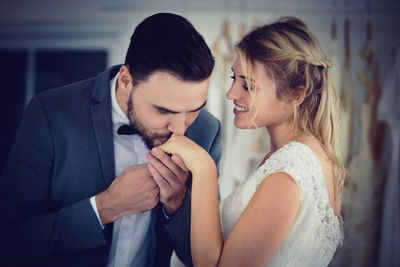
x=238 y=109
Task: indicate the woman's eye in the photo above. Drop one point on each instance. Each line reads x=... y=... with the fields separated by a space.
x=244 y=86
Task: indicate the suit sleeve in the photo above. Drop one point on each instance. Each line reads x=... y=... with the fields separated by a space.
x=30 y=227
x=179 y=225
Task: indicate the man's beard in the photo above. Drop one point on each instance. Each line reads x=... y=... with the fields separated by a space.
x=151 y=139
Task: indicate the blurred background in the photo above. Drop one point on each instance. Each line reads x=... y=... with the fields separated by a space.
x=49 y=43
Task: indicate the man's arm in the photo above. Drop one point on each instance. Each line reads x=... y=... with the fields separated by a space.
x=31 y=228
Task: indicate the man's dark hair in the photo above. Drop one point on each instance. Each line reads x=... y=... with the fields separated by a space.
x=168 y=42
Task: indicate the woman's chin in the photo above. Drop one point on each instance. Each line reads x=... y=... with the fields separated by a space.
x=240 y=124
x=244 y=124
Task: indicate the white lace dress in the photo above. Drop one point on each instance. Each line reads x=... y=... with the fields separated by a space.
x=316 y=231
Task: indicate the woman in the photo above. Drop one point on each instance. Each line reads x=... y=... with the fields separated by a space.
x=287 y=213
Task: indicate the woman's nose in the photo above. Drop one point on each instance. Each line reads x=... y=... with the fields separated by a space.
x=232 y=93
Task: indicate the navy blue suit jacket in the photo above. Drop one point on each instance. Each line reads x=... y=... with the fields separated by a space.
x=62 y=155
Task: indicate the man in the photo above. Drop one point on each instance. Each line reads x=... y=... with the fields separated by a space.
x=85 y=184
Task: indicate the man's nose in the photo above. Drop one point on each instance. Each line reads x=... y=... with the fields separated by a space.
x=178 y=124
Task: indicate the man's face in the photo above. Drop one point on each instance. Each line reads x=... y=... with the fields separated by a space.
x=163 y=105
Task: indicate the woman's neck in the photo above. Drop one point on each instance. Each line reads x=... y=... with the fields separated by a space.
x=280 y=135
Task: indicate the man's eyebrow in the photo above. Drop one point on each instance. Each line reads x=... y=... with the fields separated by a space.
x=166 y=110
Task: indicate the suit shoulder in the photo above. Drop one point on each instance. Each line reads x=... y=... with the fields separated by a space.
x=205 y=127
x=206 y=120
x=70 y=91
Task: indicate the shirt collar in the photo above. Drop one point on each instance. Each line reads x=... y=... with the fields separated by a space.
x=118 y=116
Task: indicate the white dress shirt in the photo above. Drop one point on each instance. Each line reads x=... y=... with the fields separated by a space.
x=129 y=245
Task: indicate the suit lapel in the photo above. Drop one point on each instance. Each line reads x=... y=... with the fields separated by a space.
x=102 y=123
x=104 y=138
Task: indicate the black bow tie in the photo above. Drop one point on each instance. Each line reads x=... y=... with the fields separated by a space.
x=126 y=130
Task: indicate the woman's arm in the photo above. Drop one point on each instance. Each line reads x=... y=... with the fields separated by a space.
x=205 y=228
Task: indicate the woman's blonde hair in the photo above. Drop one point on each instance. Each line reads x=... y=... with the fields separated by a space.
x=294 y=60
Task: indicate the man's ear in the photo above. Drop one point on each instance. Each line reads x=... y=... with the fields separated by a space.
x=125 y=82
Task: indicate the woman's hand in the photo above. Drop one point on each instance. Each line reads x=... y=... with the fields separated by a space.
x=194 y=156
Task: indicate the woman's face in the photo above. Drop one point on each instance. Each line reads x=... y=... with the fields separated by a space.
x=270 y=110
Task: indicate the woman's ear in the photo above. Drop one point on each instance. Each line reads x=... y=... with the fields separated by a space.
x=299 y=98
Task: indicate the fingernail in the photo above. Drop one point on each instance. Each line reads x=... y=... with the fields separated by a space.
x=155 y=151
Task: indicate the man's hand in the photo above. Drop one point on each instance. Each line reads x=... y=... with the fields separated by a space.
x=170 y=173
x=132 y=192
